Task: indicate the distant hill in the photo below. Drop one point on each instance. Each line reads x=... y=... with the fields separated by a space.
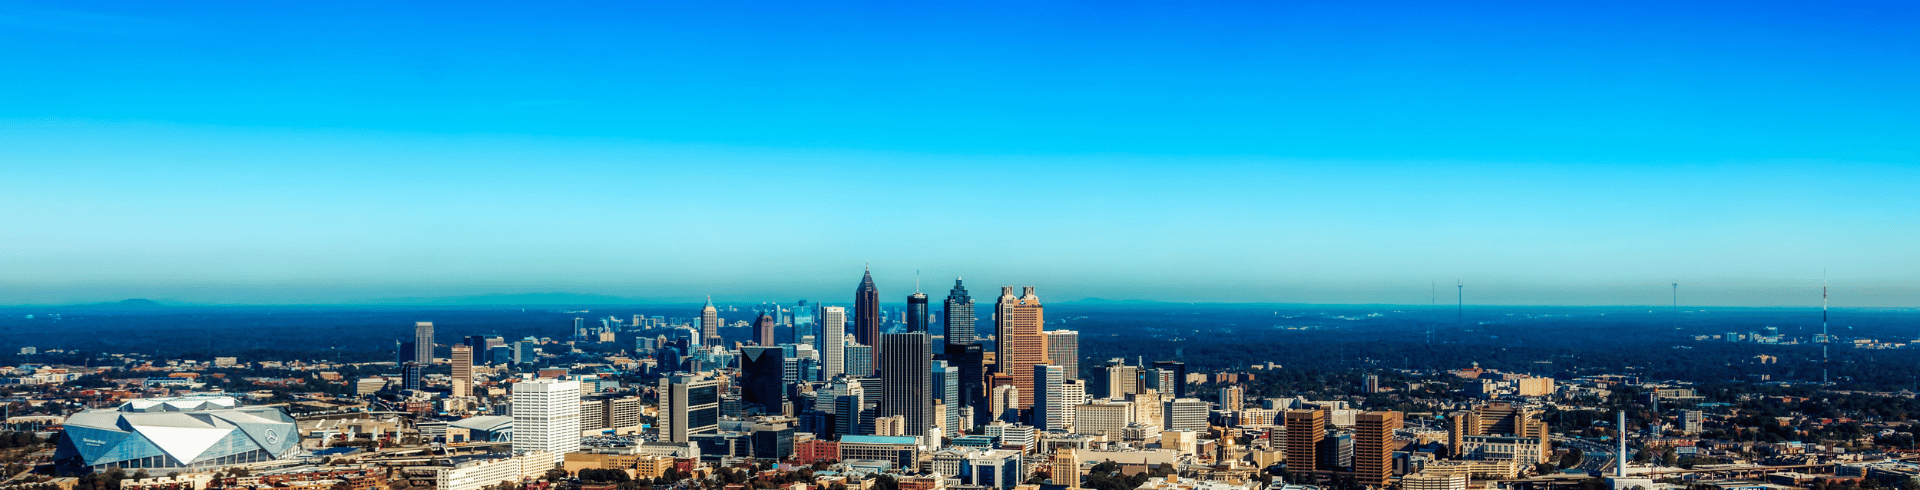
x=509 y=299
x=1104 y=301
x=139 y=304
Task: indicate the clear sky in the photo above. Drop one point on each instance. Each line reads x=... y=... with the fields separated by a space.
x=1337 y=152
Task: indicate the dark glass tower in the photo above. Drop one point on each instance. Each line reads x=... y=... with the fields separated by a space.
x=866 y=312
x=917 y=313
x=959 y=320
x=762 y=370
x=963 y=351
x=906 y=380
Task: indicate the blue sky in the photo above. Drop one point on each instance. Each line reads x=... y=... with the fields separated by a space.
x=1338 y=152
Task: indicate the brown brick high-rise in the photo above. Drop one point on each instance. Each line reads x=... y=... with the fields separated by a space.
x=1373 y=447
x=1021 y=343
x=1305 y=430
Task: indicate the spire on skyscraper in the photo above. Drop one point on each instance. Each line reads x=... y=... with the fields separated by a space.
x=866 y=312
x=709 y=324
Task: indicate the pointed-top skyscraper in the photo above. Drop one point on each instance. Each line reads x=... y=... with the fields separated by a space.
x=866 y=311
x=763 y=330
x=959 y=319
x=962 y=351
x=709 y=324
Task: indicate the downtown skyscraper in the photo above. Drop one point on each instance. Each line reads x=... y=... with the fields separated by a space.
x=963 y=350
x=1063 y=348
x=415 y=376
x=906 y=380
x=1018 y=320
x=866 y=312
x=423 y=342
x=546 y=416
x=461 y=358
x=959 y=315
x=1373 y=447
x=917 y=314
x=709 y=324
x=763 y=330
x=833 y=342
x=1050 y=400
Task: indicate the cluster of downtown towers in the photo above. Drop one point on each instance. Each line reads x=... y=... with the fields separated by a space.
x=911 y=383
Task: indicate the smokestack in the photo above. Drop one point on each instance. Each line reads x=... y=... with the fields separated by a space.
x=1620 y=458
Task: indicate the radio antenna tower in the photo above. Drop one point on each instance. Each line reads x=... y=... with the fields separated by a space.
x=1676 y=306
x=1823 y=327
x=1460 y=307
x=1433 y=300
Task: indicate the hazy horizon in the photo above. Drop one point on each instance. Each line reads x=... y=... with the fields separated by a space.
x=1652 y=295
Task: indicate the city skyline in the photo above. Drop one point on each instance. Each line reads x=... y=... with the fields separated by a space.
x=606 y=245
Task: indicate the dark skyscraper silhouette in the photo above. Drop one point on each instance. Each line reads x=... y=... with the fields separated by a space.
x=762 y=383
x=971 y=361
x=917 y=313
x=906 y=380
x=963 y=351
x=959 y=318
x=866 y=312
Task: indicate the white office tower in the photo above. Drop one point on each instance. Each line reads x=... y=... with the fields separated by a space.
x=546 y=417
x=1073 y=394
x=1189 y=414
x=1049 y=397
x=1063 y=349
x=833 y=342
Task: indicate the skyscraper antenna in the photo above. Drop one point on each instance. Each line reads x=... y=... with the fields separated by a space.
x=916 y=280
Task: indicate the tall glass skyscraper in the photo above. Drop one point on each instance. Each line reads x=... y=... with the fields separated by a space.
x=946 y=385
x=906 y=380
x=803 y=324
x=959 y=319
x=963 y=351
x=866 y=312
x=917 y=313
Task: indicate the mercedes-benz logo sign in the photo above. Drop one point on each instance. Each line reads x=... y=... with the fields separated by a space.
x=272 y=437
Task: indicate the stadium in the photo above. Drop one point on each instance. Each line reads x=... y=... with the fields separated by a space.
x=192 y=433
